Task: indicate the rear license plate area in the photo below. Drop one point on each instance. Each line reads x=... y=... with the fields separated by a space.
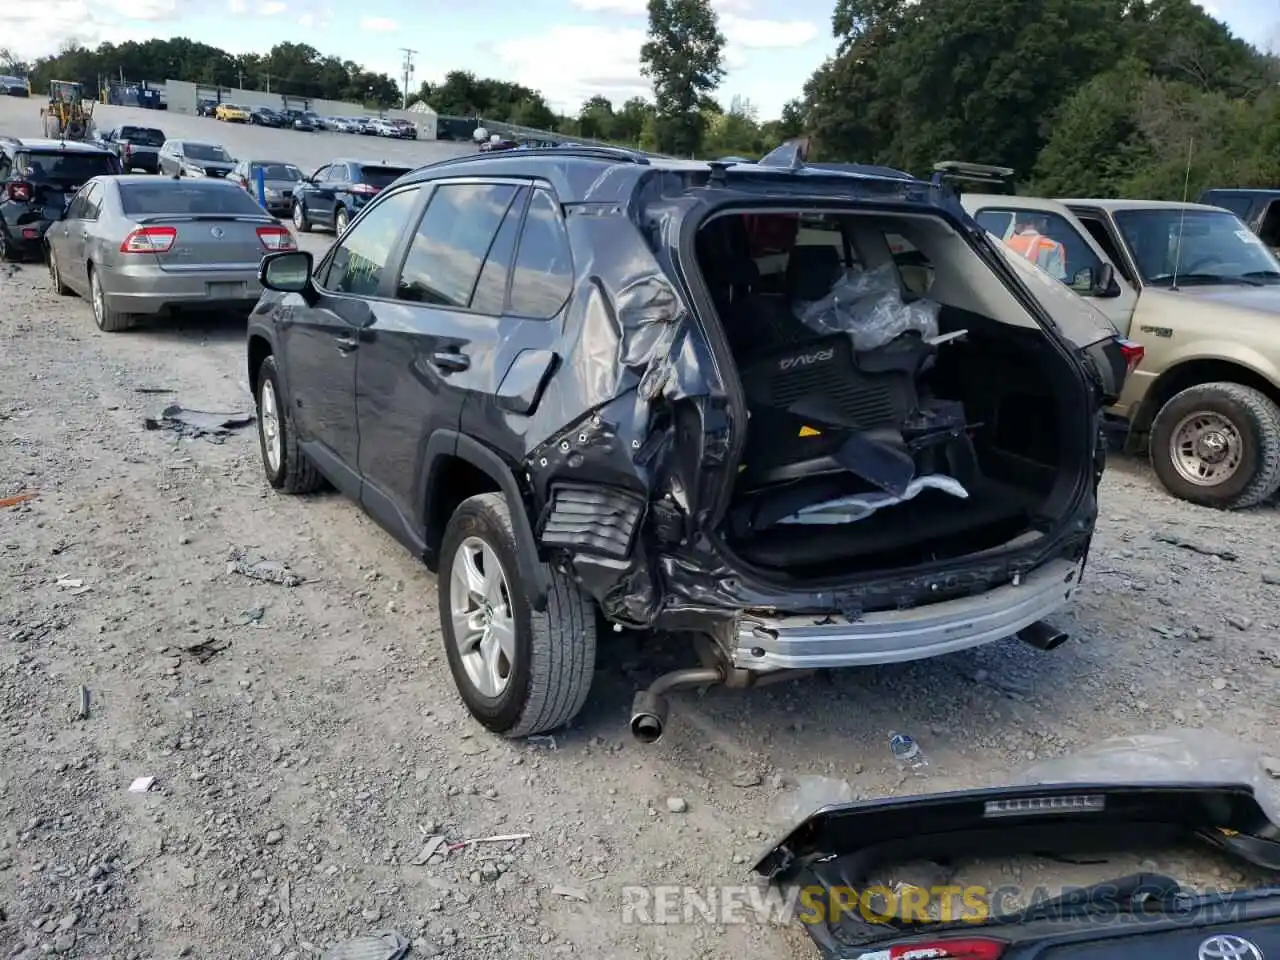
x=227 y=291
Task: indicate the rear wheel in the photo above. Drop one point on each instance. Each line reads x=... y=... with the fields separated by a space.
x=519 y=672
x=1218 y=445
x=107 y=319
x=300 y=222
x=340 y=220
x=286 y=466
x=7 y=252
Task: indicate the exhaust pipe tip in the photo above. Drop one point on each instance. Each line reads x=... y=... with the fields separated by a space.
x=648 y=717
x=1043 y=636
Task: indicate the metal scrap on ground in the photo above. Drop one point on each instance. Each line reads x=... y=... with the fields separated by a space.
x=260 y=568
x=382 y=945
x=193 y=424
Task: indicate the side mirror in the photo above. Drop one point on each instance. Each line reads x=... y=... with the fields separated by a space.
x=286 y=272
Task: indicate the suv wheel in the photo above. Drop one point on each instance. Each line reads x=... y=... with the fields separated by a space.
x=1218 y=445
x=300 y=222
x=7 y=252
x=108 y=320
x=519 y=672
x=286 y=466
x=340 y=221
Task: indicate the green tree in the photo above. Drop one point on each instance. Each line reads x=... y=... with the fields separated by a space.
x=683 y=57
x=595 y=119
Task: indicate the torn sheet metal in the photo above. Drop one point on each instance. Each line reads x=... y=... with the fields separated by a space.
x=198 y=424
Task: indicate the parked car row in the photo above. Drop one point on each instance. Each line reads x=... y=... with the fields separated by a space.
x=307 y=120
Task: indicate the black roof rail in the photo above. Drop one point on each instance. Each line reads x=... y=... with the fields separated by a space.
x=616 y=154
x=952 y=172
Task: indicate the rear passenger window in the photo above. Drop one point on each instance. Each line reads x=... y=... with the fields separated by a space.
x=451 y=243
x=362 y=256
x=491 y=289
x=543 y=275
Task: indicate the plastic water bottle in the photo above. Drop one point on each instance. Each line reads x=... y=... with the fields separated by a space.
x=906 y=752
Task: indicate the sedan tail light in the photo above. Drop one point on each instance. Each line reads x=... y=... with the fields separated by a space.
x=19 y=191
x=275 y=239
x=149 y=240
x=961 y=948
x=364 y=190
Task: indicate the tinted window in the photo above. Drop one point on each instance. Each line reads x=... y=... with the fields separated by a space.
x=544 y=268
x=185 y=197
x=1064 y=254
x=491 y=289
x=207 y=151
x=452 y=241
x=147 y=136
x=382 y=176
x=276 y=171
x=360 y=259
x=92 y=202
x=69 y=168
x=1196 y=245
x=1238 y=203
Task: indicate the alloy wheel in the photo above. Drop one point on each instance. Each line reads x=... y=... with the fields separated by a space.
x=269 y=414
x=483 y=622
x=1206 y=448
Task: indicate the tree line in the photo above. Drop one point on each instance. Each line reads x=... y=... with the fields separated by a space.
x=1149 y=98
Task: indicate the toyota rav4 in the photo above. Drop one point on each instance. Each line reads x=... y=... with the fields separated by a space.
x=815 y=417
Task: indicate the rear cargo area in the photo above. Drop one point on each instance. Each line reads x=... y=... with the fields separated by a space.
x=903 y=407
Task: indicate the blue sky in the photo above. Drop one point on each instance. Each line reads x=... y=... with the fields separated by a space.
x=568 y=49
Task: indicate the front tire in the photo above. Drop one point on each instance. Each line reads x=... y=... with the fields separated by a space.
x=287 y=468
x=55 y=276
x=1218 y=445
x=519 y=672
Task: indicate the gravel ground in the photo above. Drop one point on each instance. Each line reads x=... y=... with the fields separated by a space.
x=306 y=740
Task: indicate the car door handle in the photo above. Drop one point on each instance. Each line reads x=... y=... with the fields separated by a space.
x=451 y=361
x=345 y=344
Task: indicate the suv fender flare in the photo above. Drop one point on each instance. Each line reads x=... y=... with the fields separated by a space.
x=445 y=443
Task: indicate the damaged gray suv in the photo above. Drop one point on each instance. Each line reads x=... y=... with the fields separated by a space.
x=813 y=417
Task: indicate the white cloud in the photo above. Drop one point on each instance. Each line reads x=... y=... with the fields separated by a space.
x=307 y=20
x=568 y=64
x=766 y=34
x=38 y=30
x=272 y=8
x=640 y=8
x=379 y=25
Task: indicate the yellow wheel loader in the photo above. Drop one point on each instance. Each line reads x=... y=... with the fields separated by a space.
x=68 y=115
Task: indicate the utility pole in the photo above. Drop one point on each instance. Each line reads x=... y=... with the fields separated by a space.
x=408 y=74
x=268 y=83
x=239 y=79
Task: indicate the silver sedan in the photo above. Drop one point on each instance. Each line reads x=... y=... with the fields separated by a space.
x=139 y=246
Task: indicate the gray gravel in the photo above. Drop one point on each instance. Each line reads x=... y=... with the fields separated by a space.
x=306 y=742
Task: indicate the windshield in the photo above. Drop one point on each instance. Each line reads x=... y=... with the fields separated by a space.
x=206 y=151
x=1195 y=246
x=185 y=197
x=68 y=168
x=383 y=176
x=277 y=171
x=147 y=136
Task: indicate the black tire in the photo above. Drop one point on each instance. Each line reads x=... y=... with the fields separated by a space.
x=300 y=221
x=555 y=651
x=294 y=472
x=55 y=276
x=107 y=319
x=1256 y=420
x=8 y=254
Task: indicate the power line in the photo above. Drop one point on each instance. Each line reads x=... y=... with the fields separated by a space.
x=408 y=73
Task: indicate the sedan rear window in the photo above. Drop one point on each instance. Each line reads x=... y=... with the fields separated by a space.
x=147 y=136
x=179 y=198
x=206 y=151
x=381 y=177
x=276 y=171
x=71 y=168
